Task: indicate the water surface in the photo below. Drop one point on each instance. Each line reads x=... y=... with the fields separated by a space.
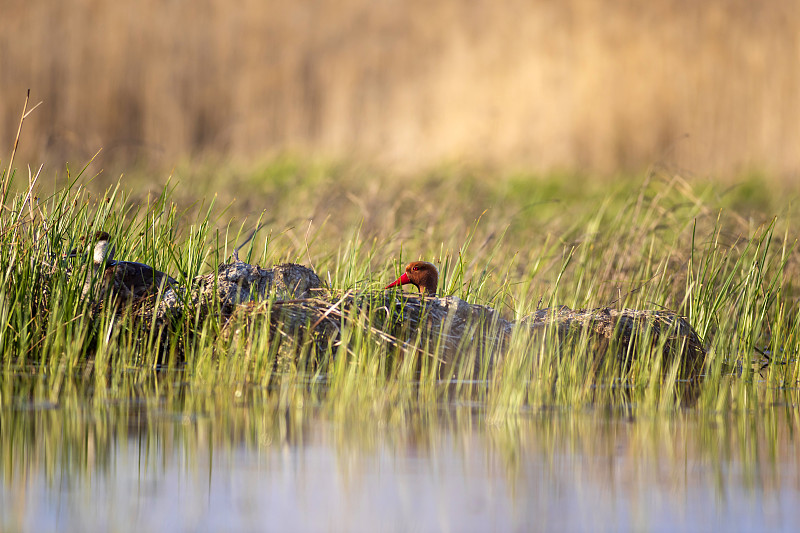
x=167 y=458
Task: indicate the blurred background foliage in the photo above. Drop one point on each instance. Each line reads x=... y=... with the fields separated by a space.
x=574 y=86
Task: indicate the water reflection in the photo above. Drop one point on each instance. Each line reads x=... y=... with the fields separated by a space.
x=165 y=457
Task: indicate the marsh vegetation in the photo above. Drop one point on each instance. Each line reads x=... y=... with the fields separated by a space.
x=600 y=156
x=516 y=244
x=85 y=386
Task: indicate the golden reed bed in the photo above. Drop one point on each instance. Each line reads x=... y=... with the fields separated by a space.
x=584 y=85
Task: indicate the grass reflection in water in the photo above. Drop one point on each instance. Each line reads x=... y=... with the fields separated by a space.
x=160 y=454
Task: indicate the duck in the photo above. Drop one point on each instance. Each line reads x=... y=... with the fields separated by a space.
x=128 y=279
x=422 y=274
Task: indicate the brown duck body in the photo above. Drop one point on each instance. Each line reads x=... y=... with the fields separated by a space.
x=128 y=280
x=423 y=275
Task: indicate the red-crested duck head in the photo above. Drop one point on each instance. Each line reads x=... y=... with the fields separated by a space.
x=423 y=275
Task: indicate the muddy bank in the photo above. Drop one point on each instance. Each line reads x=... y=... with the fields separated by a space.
x=293 y=306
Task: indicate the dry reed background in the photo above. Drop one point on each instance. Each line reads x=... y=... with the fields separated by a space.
x=587 y=85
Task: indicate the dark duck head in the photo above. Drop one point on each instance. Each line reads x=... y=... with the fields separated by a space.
x=423 y=275
x=100 y=247
x=127 y=279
